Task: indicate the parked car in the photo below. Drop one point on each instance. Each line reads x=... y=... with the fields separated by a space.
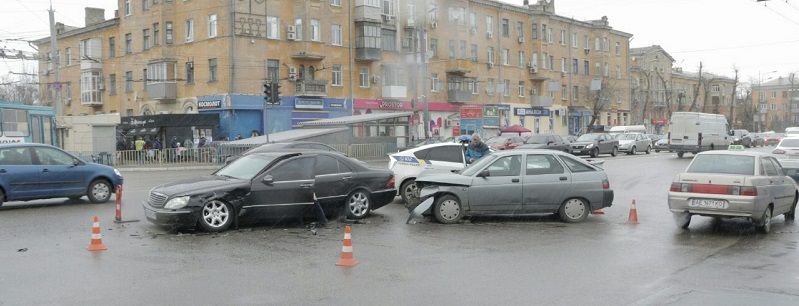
x=271 y=185
x=788 y=148
x=634 y=142
x=654 y=138
x=408 y=164
x=517 y=182
x=757 y=140
x=570 y=139
x=545 y=141
x=771 y=139
x=505 y=142
x=36 y=171
x=741 y=137
x=727 y=184
x=696 y=132
x=594 y=144
x=621 y=129
x=662 y=145
x=284 y=146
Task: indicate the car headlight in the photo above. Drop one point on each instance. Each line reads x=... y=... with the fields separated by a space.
x=177 y=203
x=590 y=145
x=117 y=172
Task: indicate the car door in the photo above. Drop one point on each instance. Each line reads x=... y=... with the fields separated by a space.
x=545 y=183
x=500 y=191
x=285 y=190
x=19 y=175
x=604 y=143
x=332 y=180
x=445 y=158
x=642 y=142
x=774 y=184
x=62 y=174
x=787 y=189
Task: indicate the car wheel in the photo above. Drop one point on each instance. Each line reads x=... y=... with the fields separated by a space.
x=216 y=216
x=680 y=154
x=573 y=210
x=594 y=153
x=614 y=152
x=657 y=151
x=632 y=151
x=765 y=224
x=99 y=191
x=683 y=220
x=649 y=150
x=448 y=209
x=2 y=197
x=410 y=193
x=358 y=204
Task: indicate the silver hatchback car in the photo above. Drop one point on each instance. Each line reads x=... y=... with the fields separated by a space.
x=731 y=184
x=517 y=182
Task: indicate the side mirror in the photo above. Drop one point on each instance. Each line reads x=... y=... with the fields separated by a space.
x=550 y=142
x=484 y=174
x=75 y=162
x=268 y=180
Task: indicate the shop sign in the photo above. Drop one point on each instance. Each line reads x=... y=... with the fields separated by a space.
x=660 y=121
x=490 y=111
x=6 y=139
x=392 y=104
x=336 y=105
x=528 y=111
x=309 y=104
x=471 y=112
x=209 y=104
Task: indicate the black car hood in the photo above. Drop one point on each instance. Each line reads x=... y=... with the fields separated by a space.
x=202 y=184
x=582 y=143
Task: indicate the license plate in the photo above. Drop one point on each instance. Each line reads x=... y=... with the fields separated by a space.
x=149 y=214
x=705 y=203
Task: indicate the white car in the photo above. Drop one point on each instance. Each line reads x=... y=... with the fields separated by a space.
x=408 y=164
x=788 y=148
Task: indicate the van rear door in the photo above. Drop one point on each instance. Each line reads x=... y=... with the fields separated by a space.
x=684 y=130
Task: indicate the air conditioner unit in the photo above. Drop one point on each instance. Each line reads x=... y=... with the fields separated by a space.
x=449 y=123
x=411 y=22
x=473 y=30
x=521 y=39
x=291 y=36
x=489 y=35
x=292 y=29
x=434 y=25
x=292 y=72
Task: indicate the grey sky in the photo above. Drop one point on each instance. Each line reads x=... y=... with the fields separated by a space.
x=758 y=39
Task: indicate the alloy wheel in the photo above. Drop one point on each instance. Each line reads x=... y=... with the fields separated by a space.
x=215 y=214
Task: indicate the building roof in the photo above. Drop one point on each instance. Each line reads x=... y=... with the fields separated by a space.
x=650 y=49
x=781 y=81
x=286 y=136
x=346 y=120
x=705 y=75
x=77 y=31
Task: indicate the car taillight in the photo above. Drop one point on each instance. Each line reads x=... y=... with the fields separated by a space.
x=390 y=183
x=677 y=187
x=748 y=191
x=605 y=184
x=714 y=189
x=778 y=151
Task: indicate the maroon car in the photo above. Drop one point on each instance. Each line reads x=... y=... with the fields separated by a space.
x=505 y=142
x=773 y=139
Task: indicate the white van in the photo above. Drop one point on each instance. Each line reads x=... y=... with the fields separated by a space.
x=621 y=129
x=697 y=132
x=792 y=131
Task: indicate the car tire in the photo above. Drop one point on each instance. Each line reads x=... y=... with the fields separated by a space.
x=448 y=209
x=574 y=210
x=764 y=226
x=358 y=204
x=657 y=151
x=594 y=152
x=406 y=193
x=2 y=197
x=649 y=150
x=614 y=152
x=632 y=151
x=216 y=216
x=683 y=220
x=680 y=154
x=99 y=191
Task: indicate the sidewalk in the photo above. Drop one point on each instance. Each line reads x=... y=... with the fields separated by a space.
x=379 y=163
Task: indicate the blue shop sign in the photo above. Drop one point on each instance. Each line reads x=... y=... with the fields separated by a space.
x=309 y=104
x=528 y=111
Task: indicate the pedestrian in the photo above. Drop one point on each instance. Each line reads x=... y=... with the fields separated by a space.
x=173 y=145
x=476 y=149
x=139 y=147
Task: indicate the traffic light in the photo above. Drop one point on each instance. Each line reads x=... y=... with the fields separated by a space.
x=268 y=93
x=276 y=93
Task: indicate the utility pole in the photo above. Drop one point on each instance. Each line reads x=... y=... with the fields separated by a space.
x=422 y=55
x=57 y=65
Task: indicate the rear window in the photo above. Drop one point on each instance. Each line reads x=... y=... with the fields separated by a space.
x=723 y=164
x=790 y=142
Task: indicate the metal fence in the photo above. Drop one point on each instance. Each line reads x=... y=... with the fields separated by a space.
x=211 y=155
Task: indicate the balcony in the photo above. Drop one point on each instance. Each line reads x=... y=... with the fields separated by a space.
x=365 y=12
x=541 y=101
x=308 y=56
x=459 y=96
x=311 y=88
x=162 y=90
x=395 y=92
x=368 y=54
x=460 y=66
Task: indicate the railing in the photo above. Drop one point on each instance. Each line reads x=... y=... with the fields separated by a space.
x=211 y=155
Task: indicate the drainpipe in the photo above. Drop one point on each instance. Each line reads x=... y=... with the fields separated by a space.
x=232 y=71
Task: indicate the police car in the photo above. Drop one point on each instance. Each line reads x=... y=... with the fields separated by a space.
x=407 y=165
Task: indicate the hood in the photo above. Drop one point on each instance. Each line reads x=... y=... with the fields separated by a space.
x=581 y=143
x=626 y=141
x=202 y=184
x=435 y=177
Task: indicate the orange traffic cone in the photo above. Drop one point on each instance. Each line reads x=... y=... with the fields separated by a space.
x=97 y=241
x=347 y=260
x=633 y=218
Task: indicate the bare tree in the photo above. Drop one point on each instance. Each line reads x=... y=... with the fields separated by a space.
x=746 y=111
x=19 y=88
x=645 y=91
x=706 y=86
x=693 y=107
x=602 y=98
x=667 y=92
x=734 y=96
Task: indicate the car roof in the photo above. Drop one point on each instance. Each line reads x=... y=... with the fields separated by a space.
x=26 y=144
x=526 y=150
x=433 y=145
x=739 y=153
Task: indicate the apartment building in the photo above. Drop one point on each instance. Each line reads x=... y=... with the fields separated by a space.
x=460 y=66
x=776 y=103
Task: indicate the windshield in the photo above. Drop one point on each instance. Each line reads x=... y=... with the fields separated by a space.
x=790 y=142
x=537 y=139
x=588 y=137
x=245 y=168
x=626 y=136
x=476 y=166
x=723 y=164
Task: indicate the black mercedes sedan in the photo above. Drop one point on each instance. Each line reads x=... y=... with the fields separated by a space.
x=271 y=185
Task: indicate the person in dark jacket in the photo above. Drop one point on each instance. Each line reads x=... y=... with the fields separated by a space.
x=476 y=149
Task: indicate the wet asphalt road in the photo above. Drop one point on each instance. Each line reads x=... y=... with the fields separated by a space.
x=531 y=260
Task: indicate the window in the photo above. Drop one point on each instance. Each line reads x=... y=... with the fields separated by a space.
x=368 y=36
x=294 y=170
x=575 y=66
x=576 y=92
x=434 y=82
x=298 y=29
x=551 y=61
x=506 y=166
x=490 y=87
x=534 y=32
x=490 y=24
x=161 y=72
x=505 y=28
x=521 y=88
x=618 y=72
x=372 y=3
x=563 y=93
x=434 y=47
x=574 y=165
x=156 y=34
x=190 y=72
x=112 y=47
x=169 y=36
x=189 y=30
x=597 y=44
x=316 y=34
x=574 y=40
x=364 y=77
x=112 y=84
x=597 y=69
x=563 y=37
x=128 y=81
x=50 y=156
x=450 y=154
x=212 y=26
x=68 y=56
x=212 y=70
x=563 y=64
x=473 y=21
x=714 y=88
x=326 y=165
x=273 y=28
x=618 y=48
x=587 y=42
x=128 y=8
x=506 y=88
x=722 y=164
x=90 y=87
x=128 y=43
x=145 y=39
x=473 y=86
x=388 y=7
x=336 y=78
x=521 y=59
x=15 y=122
x=520 y=29
x=335 y=35
x=586 y=67
x=490 y=55
x=451 y=48
x=473 y=52
x=16 y=156
x=335 y=2
x=607 y=70
x=463 y=49
x=605 y=44
x=145 y=5
x=543 y=164
x=273 y=70
x=505 y=57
